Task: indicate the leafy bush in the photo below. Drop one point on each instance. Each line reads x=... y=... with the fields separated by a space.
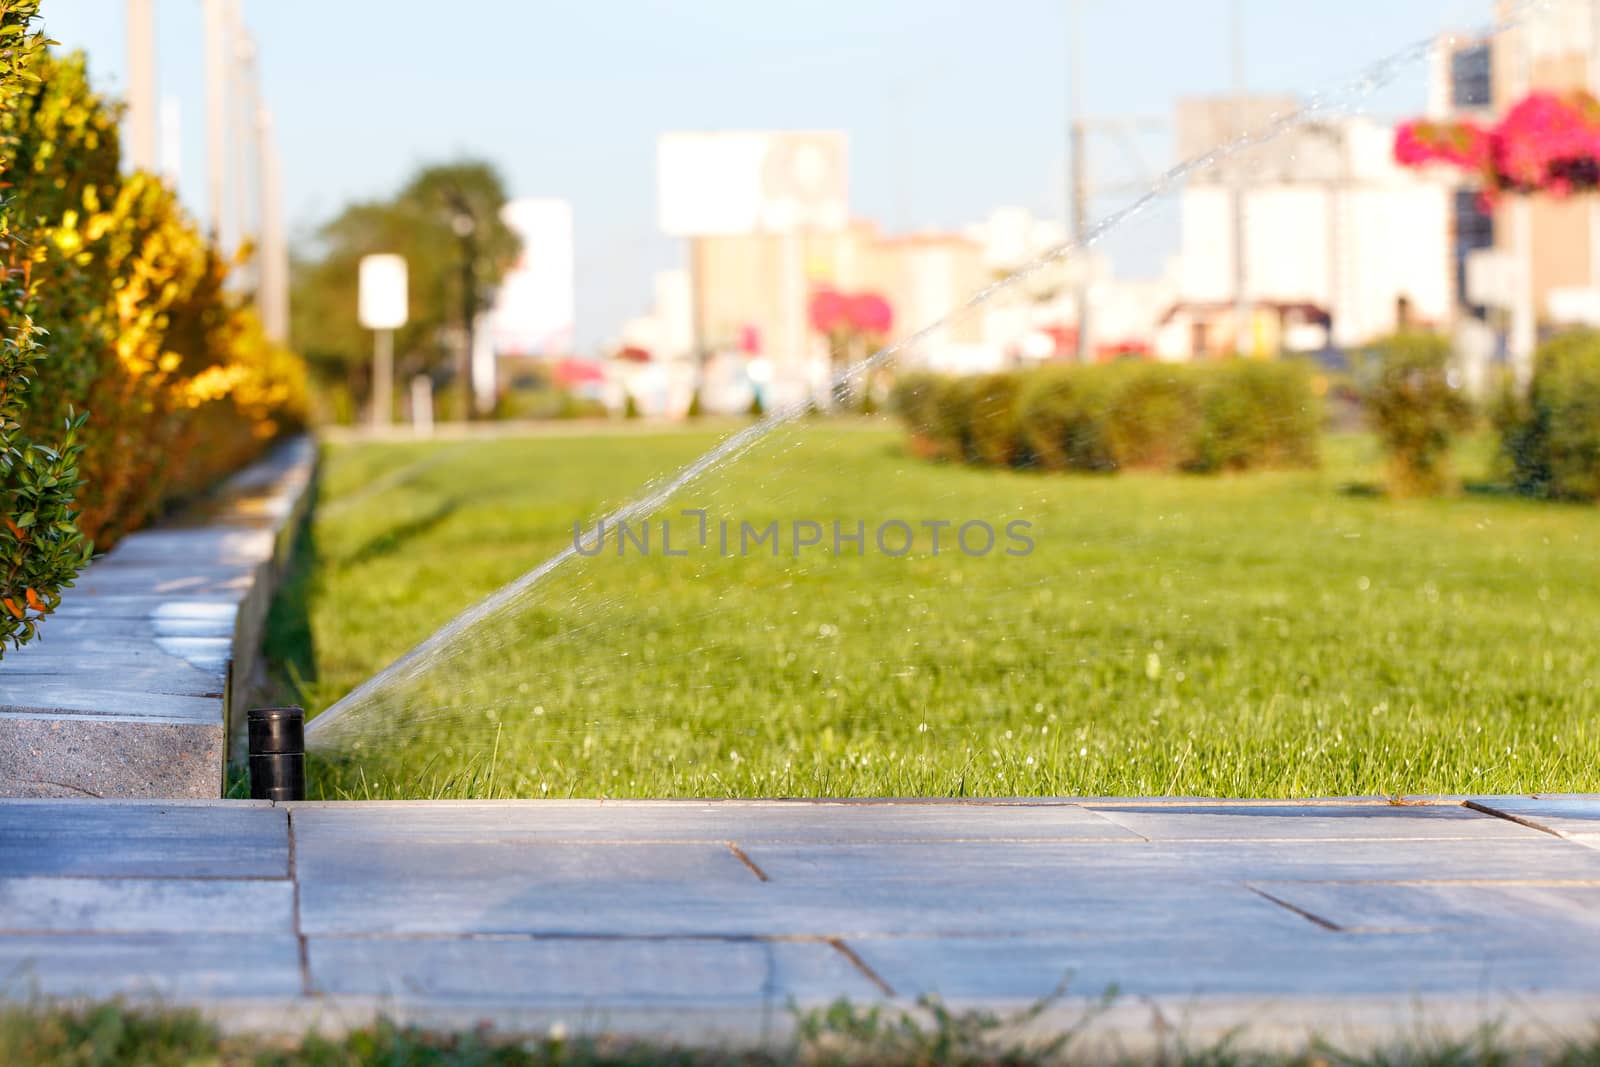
x=1259 y=413
x=180 y=380
x=549 y=402
x=41 y=548
x=1212 y=417
x=1063 y=415
x=1155 y=418
x=993 y=427
x=1414 y=410
x=914 y=397
x=1552 y=438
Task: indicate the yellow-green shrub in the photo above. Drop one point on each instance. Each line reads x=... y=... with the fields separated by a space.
x=41 y=547
x=1231 y=415
x=1414 y=410
x=181 y=384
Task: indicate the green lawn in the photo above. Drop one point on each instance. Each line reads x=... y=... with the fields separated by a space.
x=1268 y=634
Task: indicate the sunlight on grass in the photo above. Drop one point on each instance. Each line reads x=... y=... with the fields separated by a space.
x=1276 y=634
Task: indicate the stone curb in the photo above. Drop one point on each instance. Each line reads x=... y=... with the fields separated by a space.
x=137 y=685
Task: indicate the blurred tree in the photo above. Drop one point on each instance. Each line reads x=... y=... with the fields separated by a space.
x=446 y=222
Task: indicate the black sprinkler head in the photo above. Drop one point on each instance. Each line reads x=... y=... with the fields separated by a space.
x=277 y=753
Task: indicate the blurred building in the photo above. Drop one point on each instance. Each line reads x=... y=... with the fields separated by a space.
x=1036 y=319
x=1534 y=262
x=1339 y=243
x=535 y=305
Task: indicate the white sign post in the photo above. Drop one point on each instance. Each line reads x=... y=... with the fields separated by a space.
x=383 y=310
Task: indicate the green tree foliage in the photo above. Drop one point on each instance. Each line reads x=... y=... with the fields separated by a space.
x=41 y=548
x=1414 y=410
x=1552 y=436
x=420 y=222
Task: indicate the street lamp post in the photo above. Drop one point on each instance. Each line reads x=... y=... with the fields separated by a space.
x=464 y=224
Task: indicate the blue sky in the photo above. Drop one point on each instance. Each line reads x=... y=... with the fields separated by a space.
x=953 y=107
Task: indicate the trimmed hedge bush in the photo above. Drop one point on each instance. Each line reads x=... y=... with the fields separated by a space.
x=181 y=384
x=1414 y=410
x=1552 y=438
x=131 y=374
x=1232 y=415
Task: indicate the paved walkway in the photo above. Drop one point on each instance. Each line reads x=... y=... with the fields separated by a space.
x=128 y=689
x=712 y=917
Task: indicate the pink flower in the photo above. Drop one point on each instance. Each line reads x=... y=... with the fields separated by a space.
x=1546 y=143
x=829 y=310
x=870 y=313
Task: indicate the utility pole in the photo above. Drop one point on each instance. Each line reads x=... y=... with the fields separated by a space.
x=242 y=122
x=217 y=49
x=272 y=294
x=1241 y=298
x=1077 y=178
x=143 y=104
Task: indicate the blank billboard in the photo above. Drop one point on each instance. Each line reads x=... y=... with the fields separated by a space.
x=743 y=182
x=535 y=307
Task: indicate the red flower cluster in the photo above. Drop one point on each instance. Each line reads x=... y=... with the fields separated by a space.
x=833 y=312
x=1547 y=143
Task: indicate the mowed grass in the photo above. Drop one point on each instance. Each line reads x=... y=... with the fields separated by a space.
x=1270 y=634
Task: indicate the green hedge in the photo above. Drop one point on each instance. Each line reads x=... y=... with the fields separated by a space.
x=1231 y=415
x=1552 y=438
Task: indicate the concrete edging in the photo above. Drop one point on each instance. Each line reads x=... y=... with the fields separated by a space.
x=137 y=686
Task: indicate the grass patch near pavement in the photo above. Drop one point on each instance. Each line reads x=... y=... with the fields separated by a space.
x=841 y=1035
x=1276 y=634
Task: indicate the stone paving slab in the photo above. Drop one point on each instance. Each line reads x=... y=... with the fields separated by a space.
x=718 y=821
x=146 y=905
x=701 y=918
x=132 y=687
x=143 y=839
x=1576 y=818
x=165 y=968
x=588 y=972
x=1213 y=822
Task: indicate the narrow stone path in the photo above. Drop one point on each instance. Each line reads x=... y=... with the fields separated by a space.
x=704 y=918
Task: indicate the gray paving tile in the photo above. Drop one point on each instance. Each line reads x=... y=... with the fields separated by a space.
x=165 y=581
x=745 y=822
x=587 y=972
x=1376 y=907
x=1294 y=822
x=145 y=905
x=143 y=840
x=1574 y=817
x=165 y=967
x=1531 y=857
x=1268 y=965
x=219 y=544
x=390 y=886
x=1156 y=888
x=81 y=604
x=69 y=676
x=36 y=695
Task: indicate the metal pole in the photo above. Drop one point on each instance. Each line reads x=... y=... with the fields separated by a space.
x=143 y=104
x=382 y=377
x=1078 y=180
x=1241 y=298
x=217 y=118
x=272 y=297
x=247 y=149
